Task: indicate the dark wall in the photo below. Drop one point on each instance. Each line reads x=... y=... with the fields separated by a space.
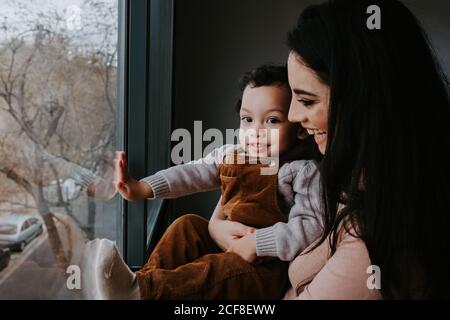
x=217 y=40
x=435 y=18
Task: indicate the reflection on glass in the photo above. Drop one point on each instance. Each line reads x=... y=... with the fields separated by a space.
x=58 y=73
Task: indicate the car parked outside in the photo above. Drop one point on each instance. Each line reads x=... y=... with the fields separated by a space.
x=18 y=230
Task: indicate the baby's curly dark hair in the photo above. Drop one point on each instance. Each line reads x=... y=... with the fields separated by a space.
x=264 y=75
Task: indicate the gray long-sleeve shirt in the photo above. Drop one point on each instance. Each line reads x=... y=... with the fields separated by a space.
x=298 y=184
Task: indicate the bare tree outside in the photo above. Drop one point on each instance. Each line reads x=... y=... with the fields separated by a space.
x=58 y=73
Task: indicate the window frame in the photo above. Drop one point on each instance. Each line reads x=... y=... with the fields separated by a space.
x=144 y=114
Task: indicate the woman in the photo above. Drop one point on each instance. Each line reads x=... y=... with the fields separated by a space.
x=377 y=104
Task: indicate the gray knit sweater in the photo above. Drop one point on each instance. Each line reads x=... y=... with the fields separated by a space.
x=298 y=184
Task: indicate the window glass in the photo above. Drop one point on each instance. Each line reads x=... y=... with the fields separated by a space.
x=58 y=75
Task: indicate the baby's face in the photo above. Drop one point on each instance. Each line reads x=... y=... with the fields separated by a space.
x=264 y=128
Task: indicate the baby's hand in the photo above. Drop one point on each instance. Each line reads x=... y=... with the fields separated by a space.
x=129 y=188
x=245 y=247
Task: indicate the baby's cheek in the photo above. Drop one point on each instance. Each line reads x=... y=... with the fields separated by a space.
x=242 y=137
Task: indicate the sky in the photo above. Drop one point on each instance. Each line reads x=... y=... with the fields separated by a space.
x=7 y=7
x=73 y=13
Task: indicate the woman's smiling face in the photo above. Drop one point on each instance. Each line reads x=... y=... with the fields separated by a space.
x=310 y=100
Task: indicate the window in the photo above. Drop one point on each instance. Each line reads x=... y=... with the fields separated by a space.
x=59 y=128
x=79 y=80
x=148 y=100
x=25 y=226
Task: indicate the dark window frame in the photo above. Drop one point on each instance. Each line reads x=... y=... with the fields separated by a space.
x=144 y=114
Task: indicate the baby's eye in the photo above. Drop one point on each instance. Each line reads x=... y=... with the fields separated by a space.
x=246 y=119
x=272 y=120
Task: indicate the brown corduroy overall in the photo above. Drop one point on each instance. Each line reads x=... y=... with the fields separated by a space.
x=188 y=264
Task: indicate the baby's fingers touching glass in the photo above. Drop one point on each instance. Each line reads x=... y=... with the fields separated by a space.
x=121 y=167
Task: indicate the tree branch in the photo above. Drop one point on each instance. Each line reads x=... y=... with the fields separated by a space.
x=14 y=176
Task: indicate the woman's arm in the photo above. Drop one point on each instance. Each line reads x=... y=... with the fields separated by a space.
x=223 y=231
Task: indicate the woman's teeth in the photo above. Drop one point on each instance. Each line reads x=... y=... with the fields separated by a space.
x=315 y=132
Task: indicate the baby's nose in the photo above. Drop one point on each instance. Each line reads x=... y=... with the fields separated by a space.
x=258 y=133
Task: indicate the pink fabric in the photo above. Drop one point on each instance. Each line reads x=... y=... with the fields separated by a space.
x=341 y=276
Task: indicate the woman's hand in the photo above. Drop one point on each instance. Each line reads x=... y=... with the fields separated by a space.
x=129 y=188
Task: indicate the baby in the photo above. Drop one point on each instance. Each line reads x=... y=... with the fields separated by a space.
x=271 y=216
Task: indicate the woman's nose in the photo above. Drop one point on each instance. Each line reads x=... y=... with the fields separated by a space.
x=297 y=114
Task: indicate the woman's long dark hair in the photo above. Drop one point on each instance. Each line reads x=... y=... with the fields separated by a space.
x=387 y=156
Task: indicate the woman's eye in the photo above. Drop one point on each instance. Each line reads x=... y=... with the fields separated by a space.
x=306 y=102
x=246 y=119
x=272 y=120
